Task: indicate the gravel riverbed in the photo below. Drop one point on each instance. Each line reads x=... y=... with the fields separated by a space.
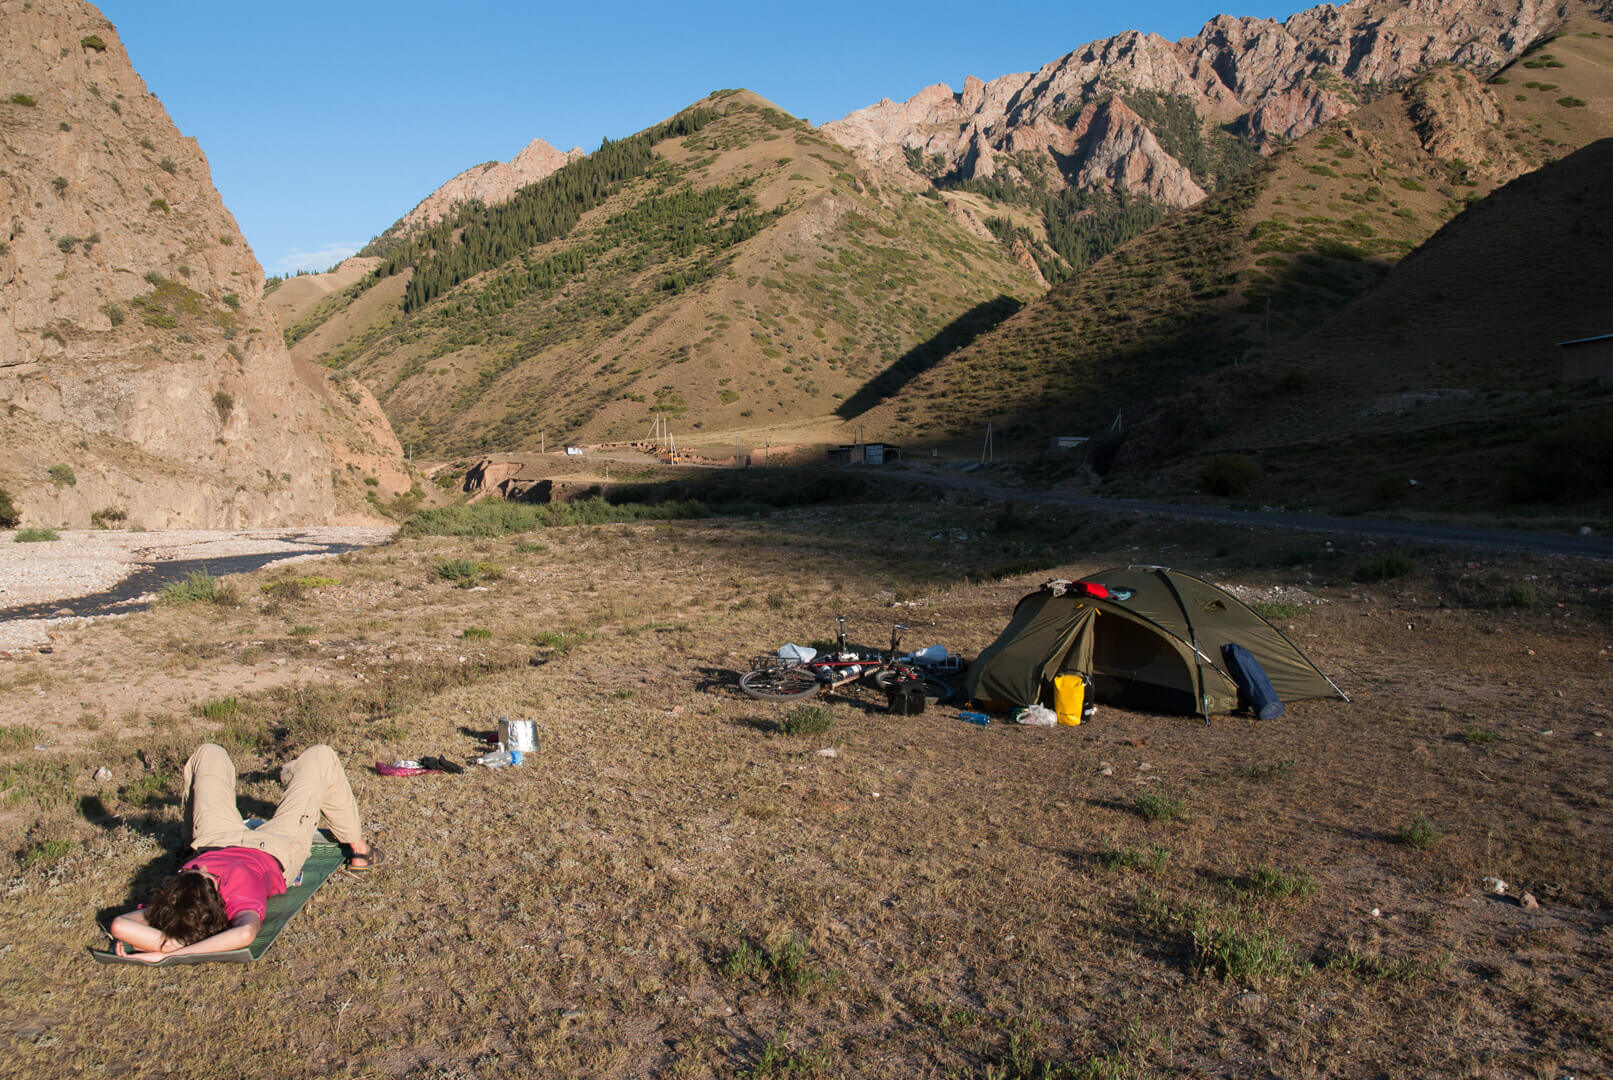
x=85 y=564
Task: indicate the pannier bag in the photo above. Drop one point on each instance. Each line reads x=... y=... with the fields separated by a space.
x=906 y=698
x=1254 y=688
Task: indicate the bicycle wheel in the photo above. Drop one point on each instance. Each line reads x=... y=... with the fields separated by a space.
x=780 y=684
x=936 y=691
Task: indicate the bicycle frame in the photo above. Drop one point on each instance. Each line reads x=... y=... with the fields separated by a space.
x=847 y=665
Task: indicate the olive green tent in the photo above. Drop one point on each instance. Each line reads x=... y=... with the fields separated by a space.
x=1145 y=637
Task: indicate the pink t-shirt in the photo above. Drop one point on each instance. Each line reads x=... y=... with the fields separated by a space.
x=246 y=877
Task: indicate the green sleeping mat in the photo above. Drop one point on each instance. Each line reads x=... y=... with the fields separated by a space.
x=323 y=860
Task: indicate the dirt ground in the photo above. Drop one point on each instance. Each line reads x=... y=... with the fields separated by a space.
x=674 y=887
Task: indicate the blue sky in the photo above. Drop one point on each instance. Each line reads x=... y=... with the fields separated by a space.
x=325 y=122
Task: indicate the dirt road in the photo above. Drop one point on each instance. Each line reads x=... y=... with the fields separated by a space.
x=1538 y=543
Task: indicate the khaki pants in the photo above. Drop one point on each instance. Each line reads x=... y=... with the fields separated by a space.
x=315 y=785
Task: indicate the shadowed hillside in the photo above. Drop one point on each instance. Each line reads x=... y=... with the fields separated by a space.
x=1442 y=388
x=1269 y=257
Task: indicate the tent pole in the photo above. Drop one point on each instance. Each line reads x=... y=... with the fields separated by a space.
x=1193 y=637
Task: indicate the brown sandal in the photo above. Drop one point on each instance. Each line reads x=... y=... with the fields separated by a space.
x=369 y=860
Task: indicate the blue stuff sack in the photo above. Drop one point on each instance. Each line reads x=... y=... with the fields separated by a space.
x=1254 y=688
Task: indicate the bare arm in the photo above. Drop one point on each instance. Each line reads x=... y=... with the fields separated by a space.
x=146 y=942
x=131 y=929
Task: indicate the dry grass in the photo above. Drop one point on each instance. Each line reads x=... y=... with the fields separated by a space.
x=673 y=888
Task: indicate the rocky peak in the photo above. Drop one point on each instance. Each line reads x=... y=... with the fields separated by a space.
x=1119 y=150
x=135 y=348
x=490 y=183
x=1281 y=79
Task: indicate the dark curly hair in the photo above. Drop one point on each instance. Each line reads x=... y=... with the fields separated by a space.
x=187 y=908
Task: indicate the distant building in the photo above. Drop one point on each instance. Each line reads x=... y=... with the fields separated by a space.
x=1588 y=358
x=864 y=454
x=573 y=450
x=1066 y=442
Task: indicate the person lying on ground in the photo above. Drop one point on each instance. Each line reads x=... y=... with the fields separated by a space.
x=217 y=901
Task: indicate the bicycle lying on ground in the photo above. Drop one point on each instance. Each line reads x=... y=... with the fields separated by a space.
x=780 y=678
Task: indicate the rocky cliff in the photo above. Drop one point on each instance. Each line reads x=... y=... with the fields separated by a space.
x=1270 y=81
x=490 y=183
x=143 y=379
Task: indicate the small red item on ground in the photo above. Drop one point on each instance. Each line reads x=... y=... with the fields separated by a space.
x=387 y=769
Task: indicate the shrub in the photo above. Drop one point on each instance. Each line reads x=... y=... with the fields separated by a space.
x=1273 y=770
x=1228 y=474
x=497 y=518
x=107 y=517
x=807 y=720
x=1523 y=596
x=1150 y=859
x=475 y=633
x=1568 y=463
x=10 y=516
x=1419 y=833
x=114 y=313
x=19 y=736
x=92 y=41
x=1571 y=102
x=224 y=403
x=1247 y=955
x=60 y=184
x=231 y=299
x=35 y=536
x=295 y=588
x=467 y=572
x=46 y=852
x=1293 y=381
x=1373 y=968
x=218 y=709
x=1160 y=806
x=1270 y=881
x=1391 y=564
x=23 y=100
x=199 y=586
x=784 y=965
x=556 y=643
x=158 y=204
x=62 y=476
x=167 y=165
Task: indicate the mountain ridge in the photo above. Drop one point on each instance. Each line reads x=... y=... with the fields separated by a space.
x=746 y=271
x=1282 y=79
x=490 y=183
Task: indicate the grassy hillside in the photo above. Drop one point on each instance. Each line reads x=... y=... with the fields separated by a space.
x=1269 y=257
x=730 y=270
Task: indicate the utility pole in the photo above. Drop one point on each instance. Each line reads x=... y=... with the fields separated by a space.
x=985 y=451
